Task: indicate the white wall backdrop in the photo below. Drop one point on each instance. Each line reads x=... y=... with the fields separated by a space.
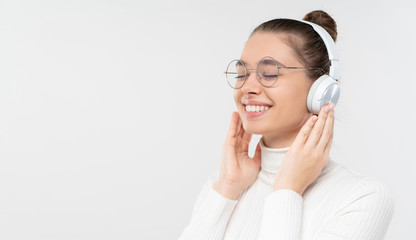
x=113 y=113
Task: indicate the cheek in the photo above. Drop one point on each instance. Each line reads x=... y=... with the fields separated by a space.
x=296 y=97
x=290 y=100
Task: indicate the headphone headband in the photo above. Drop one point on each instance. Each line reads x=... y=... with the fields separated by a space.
x=334 y=69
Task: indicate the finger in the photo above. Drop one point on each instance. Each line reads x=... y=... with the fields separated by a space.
x=232 y=130
x=326 y=132
x=316 y=132
x=239 y=133
x=304 y=131
x=328 y=146
x=257 y=154
x=246 y=138
x=238 y=126
x=327 y=150
x=329 y=143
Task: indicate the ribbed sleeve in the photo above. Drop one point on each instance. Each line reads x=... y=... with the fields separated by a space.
x=210 y=215
x=282 y=216
x=365 y=215
x=339 y=205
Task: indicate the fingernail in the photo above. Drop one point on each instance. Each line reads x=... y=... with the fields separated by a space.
x=326 y=109
x=314 y=118
x=332 y=106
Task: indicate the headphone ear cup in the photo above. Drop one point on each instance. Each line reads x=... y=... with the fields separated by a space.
x=324 y=90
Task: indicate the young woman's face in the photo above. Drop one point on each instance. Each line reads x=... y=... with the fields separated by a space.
x=287 y=97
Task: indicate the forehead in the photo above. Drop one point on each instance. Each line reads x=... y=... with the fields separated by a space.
x=263 y=44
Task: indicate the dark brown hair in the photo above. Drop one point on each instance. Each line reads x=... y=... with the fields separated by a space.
x=301 y=37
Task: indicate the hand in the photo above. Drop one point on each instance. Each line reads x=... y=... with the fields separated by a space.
x=238 y=171
x=308 y=154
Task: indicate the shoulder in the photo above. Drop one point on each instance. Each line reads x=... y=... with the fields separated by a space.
x=335 y=176
x=342 y=184
x=348 y=204
x=361 y=191
x=359 y=181
x=376 y=193
x=341 y=175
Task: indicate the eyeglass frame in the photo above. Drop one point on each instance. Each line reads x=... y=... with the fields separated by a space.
x=257 y=74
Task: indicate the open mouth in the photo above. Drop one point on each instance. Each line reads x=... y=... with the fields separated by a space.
x=254 y=111
x=256 y=108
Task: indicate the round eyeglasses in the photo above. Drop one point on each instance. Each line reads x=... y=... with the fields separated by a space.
x=267 y=72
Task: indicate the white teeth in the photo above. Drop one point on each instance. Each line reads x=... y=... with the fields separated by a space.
x=253 y=108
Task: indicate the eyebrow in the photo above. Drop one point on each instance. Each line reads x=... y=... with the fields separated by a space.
x=267 y=61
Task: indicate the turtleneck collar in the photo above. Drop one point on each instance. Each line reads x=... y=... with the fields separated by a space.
x=271 y=157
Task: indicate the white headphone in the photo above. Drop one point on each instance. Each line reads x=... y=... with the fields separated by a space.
x=326 y=88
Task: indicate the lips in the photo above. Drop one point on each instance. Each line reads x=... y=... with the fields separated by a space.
x=255 y=108
x=251 y=111
x=255 y=114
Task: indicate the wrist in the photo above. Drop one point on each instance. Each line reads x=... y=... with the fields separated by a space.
x=293 y=188
x=226 y=190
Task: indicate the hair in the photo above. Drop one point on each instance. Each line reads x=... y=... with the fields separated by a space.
x=307 y=44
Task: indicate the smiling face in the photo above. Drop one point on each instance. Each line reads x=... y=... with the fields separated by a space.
x=287 y=98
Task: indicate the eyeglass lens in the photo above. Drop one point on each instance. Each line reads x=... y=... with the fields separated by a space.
x=267 y=72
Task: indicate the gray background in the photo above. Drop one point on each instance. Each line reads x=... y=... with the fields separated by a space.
x=113 y=113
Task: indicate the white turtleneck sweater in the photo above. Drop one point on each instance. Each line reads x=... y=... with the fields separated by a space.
x=339 y=204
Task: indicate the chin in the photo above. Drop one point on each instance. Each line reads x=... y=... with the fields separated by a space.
x=254 y=128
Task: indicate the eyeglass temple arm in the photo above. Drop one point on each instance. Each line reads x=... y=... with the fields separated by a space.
x=288 y=68
x=303 y=68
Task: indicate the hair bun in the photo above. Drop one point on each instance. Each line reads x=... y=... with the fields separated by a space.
x=322 y=19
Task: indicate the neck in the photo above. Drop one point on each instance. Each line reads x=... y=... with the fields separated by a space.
x=283 y=140
x=272 y=141
x=271 y=159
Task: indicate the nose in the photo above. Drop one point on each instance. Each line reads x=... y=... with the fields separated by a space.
x=252 y=84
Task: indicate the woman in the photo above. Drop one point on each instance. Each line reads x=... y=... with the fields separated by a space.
x=283 y=192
